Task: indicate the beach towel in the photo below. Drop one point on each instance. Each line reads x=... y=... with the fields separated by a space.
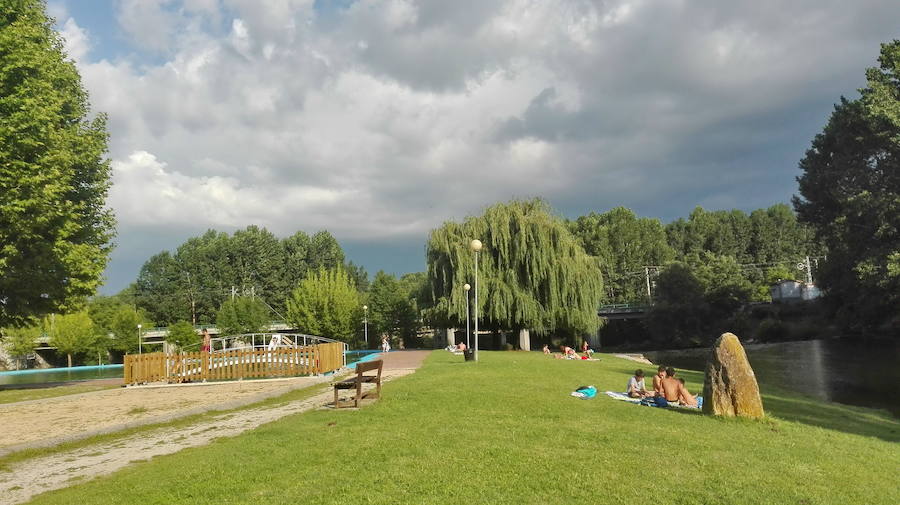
x=622 y=396
x=651 y=402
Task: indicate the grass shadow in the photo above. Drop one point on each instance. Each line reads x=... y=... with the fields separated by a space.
x=832 y=416
x=789 y=406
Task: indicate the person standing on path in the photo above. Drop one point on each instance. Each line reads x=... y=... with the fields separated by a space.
x=385 y=345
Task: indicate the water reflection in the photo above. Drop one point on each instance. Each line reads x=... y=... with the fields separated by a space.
x=856 y=373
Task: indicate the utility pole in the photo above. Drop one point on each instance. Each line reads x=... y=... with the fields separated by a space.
x=809 y=279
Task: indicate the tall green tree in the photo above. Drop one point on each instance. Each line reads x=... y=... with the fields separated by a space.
x=183 y=336
x=118 y=321
x=624 y=244
x=242 y=314
x=55 y=230
x=533 y=274
x=326 y=303
x=698 y=300
x=124 y=328
x=850 y=193
x=392 y=308
x=158 y=290
x=20 y=342
x=73 y=334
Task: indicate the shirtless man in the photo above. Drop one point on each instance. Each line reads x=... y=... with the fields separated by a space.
x=671 y=388
x=657 y=380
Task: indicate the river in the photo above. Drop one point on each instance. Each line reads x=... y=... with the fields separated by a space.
x=855 y=373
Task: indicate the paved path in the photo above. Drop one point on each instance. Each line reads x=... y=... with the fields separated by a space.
x=24 y=480
x=401 y=360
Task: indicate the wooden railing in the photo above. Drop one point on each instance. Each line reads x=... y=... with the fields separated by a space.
x=233 y=364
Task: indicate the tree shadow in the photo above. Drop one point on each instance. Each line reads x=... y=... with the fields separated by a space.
x=812 y=411
x=832 y=416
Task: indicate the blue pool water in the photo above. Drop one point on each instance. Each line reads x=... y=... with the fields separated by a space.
x=76 y=373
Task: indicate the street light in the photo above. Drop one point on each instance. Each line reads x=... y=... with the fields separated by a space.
x=366 y=324
x=476 y=245
x=139 y=339
x=467 y=288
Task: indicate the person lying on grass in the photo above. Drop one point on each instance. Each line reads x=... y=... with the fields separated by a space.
x=636 y=388
x=568 y=352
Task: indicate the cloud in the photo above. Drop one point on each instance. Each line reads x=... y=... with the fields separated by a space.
x=380 y=119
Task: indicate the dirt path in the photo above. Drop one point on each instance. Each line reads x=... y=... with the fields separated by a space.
x=37 y=475
x=50 y=421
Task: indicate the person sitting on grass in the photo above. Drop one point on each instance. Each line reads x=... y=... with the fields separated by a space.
x=657 y=380
x=636 y=388
x=671 y=388
x=568 y=352
x=684 y=397
x=546 y=349
x=461 y=346
x=586 y=349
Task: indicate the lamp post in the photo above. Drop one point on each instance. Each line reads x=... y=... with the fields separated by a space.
x=366 y=324
x=476 y=245
x=139 y=339
x=467 y=288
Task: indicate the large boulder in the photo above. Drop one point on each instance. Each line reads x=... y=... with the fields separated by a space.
x=730 y=388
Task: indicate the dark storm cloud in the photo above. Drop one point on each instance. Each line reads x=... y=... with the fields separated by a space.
x=378 y=120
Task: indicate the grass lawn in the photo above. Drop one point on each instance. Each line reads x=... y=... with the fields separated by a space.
x=21 y=395
x=505 y=430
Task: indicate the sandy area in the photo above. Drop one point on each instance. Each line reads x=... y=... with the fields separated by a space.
x=33 y=476
x=50 y=421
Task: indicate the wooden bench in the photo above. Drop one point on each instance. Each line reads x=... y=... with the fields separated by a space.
x=357 y=382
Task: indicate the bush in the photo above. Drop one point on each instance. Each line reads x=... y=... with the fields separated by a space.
x=772 y=330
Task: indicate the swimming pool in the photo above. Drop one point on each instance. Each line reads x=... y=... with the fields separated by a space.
x=82 y=373
x=357 y=356
x=76 y=373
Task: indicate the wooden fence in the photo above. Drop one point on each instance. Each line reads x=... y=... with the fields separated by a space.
x=234 y=364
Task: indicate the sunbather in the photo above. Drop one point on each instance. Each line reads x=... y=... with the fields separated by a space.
x=586 y=349
x=461 y=346
x=636 y=388
x=670 y=386
x=657 y=380
x=546 y=349
x=568 y=352
x=684 y=397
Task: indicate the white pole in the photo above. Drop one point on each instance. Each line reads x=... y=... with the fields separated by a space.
x=366 y=324
x=476 y=305
x=468 y=333
x=139 y=340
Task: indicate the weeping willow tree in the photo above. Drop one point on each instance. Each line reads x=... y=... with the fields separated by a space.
x=532 y=273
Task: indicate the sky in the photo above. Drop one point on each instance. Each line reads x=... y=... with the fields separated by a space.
x=378 y=120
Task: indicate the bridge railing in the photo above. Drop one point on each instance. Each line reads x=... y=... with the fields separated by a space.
x=234 y=364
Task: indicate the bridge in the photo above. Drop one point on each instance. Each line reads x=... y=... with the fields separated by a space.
x=623 y=311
